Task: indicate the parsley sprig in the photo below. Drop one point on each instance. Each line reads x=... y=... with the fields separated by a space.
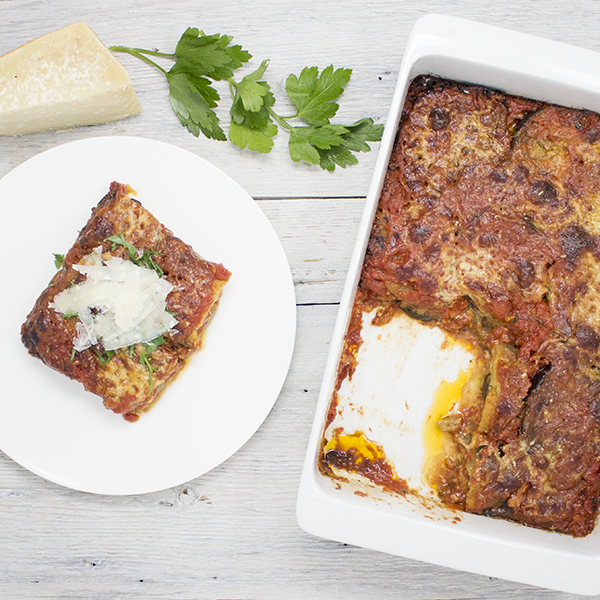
x=201 y=60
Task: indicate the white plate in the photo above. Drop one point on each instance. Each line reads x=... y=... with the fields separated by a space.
x=48 y=423
x=518 y=64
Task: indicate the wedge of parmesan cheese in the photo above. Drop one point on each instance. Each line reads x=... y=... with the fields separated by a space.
x=63 y=79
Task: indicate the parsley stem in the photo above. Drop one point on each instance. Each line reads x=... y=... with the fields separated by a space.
x=139 y=53
x=143 y=51
x=232 y=87
x=281 y=120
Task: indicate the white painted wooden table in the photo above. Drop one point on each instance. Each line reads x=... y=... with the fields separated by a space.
x=232 y=533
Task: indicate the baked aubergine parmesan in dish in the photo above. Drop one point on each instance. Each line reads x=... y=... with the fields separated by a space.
x=488 y=229
x=127 y=307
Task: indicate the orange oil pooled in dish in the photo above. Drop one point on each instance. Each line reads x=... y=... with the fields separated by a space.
x=445 y=398
x=357 y=441
x=355 y=453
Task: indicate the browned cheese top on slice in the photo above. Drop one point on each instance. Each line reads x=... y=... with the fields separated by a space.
x=125 y=382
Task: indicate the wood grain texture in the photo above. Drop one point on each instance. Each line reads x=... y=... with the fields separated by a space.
x=317 y=236
x=232 y=534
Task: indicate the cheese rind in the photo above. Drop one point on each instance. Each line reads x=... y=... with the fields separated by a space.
x=66 y=78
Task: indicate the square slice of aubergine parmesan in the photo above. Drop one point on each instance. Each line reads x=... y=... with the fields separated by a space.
x=80 y=342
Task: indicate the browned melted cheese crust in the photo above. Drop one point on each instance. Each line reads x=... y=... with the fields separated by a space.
x=488 y=227
x=123 y=382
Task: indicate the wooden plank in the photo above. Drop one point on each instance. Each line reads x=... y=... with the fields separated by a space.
x=318 y=237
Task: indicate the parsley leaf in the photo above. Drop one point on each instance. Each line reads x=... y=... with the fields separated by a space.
x=360 y=133
x=252 y=125
x=336 y=155
x=210 y=55
x=305 y=141
x=331 y=145
x=200 y=59
x=260 y=140
x=193 y=99
x=321 y=142
x=313 y=94
x=250 y=92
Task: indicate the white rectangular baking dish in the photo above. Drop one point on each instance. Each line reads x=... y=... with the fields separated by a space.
x=517 y=64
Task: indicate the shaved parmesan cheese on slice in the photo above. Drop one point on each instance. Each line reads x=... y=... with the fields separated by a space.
x=119 y=303
x=63 y=79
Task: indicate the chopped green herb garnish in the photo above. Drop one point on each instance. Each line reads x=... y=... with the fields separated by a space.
x=119 y=240
x=105 y=356
x=59 y=259
x=147 y=260
x=142 y=259
x=150 y=347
